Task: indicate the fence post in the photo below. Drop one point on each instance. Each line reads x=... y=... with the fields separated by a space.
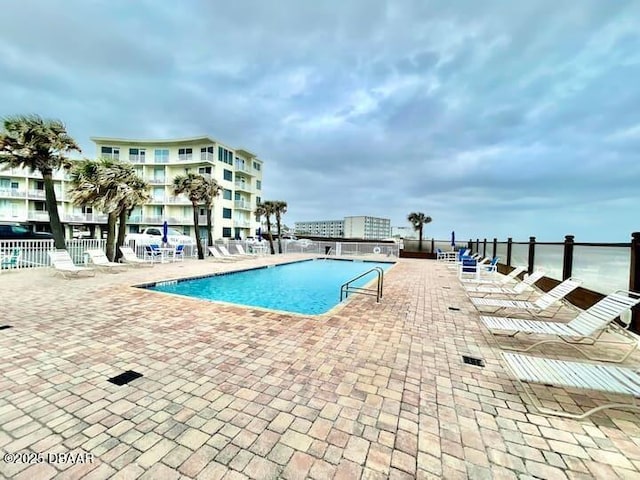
x=532 y=254
x=567 y=262
x=470 y=246
x=634 y=278
x=477 y=245
x=484 y=248
x=495 y=247
x=433 y=246
x=509 y=247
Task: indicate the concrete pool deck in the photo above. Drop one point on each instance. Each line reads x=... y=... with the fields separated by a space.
x=369 y=391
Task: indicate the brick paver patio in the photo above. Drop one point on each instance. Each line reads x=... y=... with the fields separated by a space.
x=369 y=391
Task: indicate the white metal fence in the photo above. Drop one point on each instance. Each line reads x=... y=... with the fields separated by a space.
x=19 y=254
x=33 y=253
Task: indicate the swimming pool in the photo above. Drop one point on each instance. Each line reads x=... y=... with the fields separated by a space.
x=309 y=287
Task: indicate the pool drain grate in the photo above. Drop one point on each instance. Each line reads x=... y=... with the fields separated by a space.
x=478 y=362
x=124 y=378
x=4 y=327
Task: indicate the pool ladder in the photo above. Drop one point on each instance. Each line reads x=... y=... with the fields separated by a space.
x=347 y=288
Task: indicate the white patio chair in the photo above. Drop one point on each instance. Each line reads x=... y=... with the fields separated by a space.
x=541 y=304
x=63 y=264
x=226 y=253
x=586 y=329
x=496 y=280
x=517 y=289
x=100 y=260
x=580 y=375
x=129 y=257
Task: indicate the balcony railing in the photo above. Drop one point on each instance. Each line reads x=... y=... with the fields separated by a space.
x=206 y=157
x=178 y=199
x=242 y=205
x=185 y=157
x=241 y=224
x=158 y=200
x=38 y=215
x=245 y=187
x=244 y=168
x=12 y=192
x=40 y=194
x=137 y=159
x=85 y=217
x=156 y=181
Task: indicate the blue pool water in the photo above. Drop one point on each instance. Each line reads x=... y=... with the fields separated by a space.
x=309 y=287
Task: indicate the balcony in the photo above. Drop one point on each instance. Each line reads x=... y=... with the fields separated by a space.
x=40 y=194
x=137 y=159
x=12 y=192
x=156 y=181
x=38 y=215
x=158 y=200
x=206 y=157
x=241 y=224
x=243 y=186
x=185 y=157
x=179 y=199
x=84 y=218
x=10 y=215
x=243 y=168
x=242 y=205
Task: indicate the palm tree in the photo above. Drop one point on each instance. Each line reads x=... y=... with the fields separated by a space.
x=112 y=187
x=29 y=141
x=266 y=209
x=279 y=209
x=212 y=190
x=195 y=187
x=418 y=220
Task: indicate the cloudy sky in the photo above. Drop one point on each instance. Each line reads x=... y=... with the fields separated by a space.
x=495 y=118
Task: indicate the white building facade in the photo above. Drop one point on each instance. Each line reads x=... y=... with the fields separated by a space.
x=321 y=228
x=368 y=228
x=237 y=171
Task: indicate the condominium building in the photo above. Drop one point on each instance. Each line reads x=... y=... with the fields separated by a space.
x=404 y=232
x=369 y=228
x=321 y=228
x=237 y=171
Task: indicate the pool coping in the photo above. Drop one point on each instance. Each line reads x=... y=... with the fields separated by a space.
x=148 y=285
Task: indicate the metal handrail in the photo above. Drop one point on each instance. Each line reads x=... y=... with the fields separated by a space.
x=346 y=288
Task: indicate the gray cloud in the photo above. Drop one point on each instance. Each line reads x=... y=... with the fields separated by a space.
x=497 y=119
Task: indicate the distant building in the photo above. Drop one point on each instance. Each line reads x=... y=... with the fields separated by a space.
x=368 y=228
x=321 y=228
x=404 y=232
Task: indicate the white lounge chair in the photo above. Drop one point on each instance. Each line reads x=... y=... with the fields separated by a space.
x=129 y=257
x=541 y=304
x=226 y=253
x=218 y=256
x=579 y=375
x=241 y=251
x=518 y=289
x=495 y=280
x=100 y=260
x=586 y=329
x=63 y=264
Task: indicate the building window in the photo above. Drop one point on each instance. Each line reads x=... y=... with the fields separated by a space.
x=206 y=153
x=226 y=213
x=161 y=155
x=225 y=155
x=39 y=184
x=185 y=154
x=258 y=200
x=258 y=185
x=226 y=232
x=227 y=175
x=226 y=194
x=204 y=170
x=137 y=155
x=256 y=166
x=110 y=152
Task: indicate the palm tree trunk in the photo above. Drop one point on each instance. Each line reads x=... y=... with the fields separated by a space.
x=279 y=233
x=273 y=250
x=112 y=218
x=122 y=231
x=52 y=207
x=420 y=239
x=209 y=226
x=196 y=225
